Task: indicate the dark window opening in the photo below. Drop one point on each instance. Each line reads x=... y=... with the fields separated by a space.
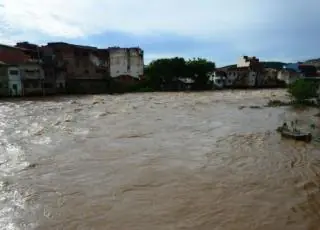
x=48 y=85
x=86 y=71
x=14 y=86
x=13 y=72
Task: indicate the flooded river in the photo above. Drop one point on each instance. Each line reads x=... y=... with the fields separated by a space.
x=156 y=161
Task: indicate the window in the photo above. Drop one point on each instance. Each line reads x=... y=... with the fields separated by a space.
x=14 y=72
x=61 y=86
x=14 y=86
x=86 y=71
x=48 y=85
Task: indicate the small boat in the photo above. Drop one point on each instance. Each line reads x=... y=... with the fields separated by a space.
x=294 y=134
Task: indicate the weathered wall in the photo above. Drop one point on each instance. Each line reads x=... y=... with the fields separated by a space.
x=12 y=55
x=126 y=62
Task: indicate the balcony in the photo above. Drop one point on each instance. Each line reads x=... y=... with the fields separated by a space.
x=32 y=74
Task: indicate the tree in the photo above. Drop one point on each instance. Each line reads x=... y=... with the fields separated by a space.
x=198 y=70
x=163 y=72
x=302 y=90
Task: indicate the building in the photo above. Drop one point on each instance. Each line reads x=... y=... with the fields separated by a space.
x=241 y=77
x=32 y=79
x=126 y=64
x=288 y=76
x=44 y=57
x=250 y=62
x=12 y=55
x=15 y=86
x=86 y=68
x=3 y=79
x=269 y=78
x=218 y=79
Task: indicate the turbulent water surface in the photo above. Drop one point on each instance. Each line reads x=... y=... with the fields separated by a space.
x=156 y=161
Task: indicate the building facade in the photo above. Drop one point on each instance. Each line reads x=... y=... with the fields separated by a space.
x=12 y=55
x=126 y=64
x=86 y=68
x=241 y=77
x=15 y=86
x=288 y=76
x=3 y=80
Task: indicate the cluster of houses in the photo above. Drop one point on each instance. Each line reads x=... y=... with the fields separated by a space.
x=29 y=69
x=249 y=72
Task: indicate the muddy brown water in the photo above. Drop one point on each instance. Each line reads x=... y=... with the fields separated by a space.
x=156 y=161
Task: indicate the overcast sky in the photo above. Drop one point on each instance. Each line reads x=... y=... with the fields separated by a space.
x=220 y=30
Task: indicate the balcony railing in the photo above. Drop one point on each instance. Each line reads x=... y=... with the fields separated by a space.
x=32 y=75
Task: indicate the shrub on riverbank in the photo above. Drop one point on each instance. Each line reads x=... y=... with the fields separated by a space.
x=302 y=90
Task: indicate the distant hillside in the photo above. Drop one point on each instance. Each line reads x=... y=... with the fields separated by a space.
x=273 y=64
x=315 y=62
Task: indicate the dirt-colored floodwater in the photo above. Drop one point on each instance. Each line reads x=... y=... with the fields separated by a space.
x=156 y=162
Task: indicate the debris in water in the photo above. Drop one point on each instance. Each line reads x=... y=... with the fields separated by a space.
x=255 y=107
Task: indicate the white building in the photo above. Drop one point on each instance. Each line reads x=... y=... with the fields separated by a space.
x=14 y=81
x=246 y=61
x=288 y=76
x=126 y=62
x=218 y=79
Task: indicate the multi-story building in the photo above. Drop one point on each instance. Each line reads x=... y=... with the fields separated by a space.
x=33 y=79
x=58 y=66
x=45 y=58
x=126 y=64
x=86 y=67
x=241 y=77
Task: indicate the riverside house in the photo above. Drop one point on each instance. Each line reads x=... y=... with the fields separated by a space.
x=86 y=68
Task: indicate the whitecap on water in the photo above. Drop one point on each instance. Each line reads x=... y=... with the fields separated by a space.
x=41 y=141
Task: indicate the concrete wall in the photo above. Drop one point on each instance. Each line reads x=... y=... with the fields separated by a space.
x=243 y=62
x=126 y=62
x=31 y=71
x=252 y=78
x=288 y=76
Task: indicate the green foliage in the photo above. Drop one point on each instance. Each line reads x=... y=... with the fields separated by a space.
x=302 y=90
x=198 y=70
x=162 y=73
